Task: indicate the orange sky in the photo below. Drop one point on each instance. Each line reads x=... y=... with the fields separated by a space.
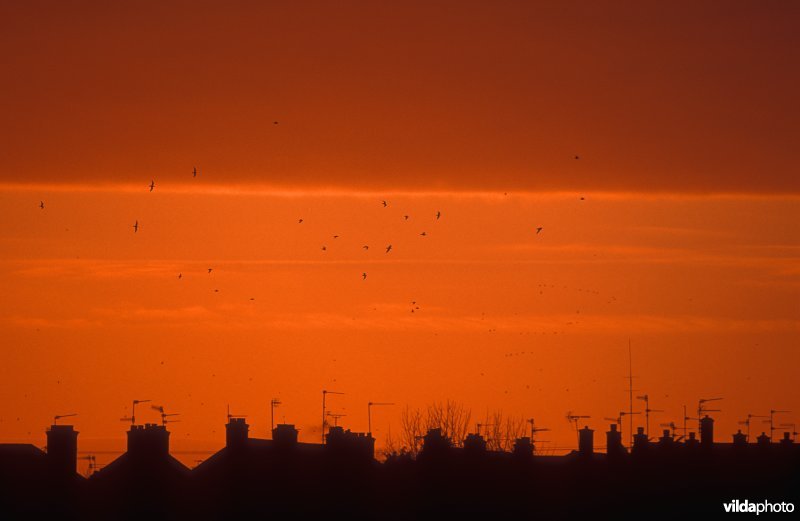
x=686 y=240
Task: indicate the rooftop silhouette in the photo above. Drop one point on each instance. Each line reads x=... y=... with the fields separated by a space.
x=283 y=478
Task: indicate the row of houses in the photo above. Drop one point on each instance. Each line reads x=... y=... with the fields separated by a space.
x=259 y=476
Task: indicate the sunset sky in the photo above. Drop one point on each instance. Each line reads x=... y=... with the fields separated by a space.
x=655 y=144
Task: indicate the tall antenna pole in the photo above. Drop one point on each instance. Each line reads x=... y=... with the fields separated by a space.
x=685 y=434
x=272 y=404
x=325 y=392
x=630 y=390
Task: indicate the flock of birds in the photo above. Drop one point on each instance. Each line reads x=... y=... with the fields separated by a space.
x=388 y=248
x=384 y=203
x=324 y=247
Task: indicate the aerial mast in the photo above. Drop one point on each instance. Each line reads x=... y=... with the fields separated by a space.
x=772 y=413
x=272 y=404
x=325 y=392
x=59 y=416
x=133 y=410
x=630 y=390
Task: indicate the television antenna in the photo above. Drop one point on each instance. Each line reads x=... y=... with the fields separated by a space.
x=336 y=417
x=325 y=393
x=534 y=430
x=59 y=416
x=133 y=410
x=747 y=422
x=772 y=413
x=272 y=404
x=573 y=418
x=647 y=411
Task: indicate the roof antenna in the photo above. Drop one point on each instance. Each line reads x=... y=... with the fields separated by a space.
x=630 y=390
x=272 y=404
x=59 y=416
x=325 y=392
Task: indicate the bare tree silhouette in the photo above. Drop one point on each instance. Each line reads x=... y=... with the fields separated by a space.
x=503 y=430
x=451 y=417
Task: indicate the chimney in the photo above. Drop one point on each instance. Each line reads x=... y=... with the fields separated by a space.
x=523 y=448
x=62 y=450
x=586 y=441
x=284 y=435
x=148 y=441
x=474 y=444
x=666 y=440
x=236 y=432
x=707 y=431
x=739 y=439
x=614 y=442
x=640 y=441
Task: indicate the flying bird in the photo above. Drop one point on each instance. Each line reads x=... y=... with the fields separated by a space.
x=274 y=122
x=41 y=205
x=209 y=269
x=438 y=214
x=152 y=185
x=180 y=276
x=423 y=234
x=300 y=221
x=385 y=204
x=364 y=276
x=136 y=226
x=335 y=236
x=405 y=217
x=194 y=172
x=324 y=248
x=365 y=247
x=388 y=248
x=538 y=230
x=577 y=157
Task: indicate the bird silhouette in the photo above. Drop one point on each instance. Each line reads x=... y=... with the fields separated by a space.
x=424 y=234
x=180 y=275
x=300 y=221
x=194 y=172
x=438 y=214
x=405 y=217
x=385 y=204
x=274 y=122
x=41 y=205
x=577 y=157
x=210 y=269
x=136 y=226
x=152 y=185
x=364 y=276
x=365 y=247
x=538 y=230
x=324 y=248
x=388 y=248
x=335 y=236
